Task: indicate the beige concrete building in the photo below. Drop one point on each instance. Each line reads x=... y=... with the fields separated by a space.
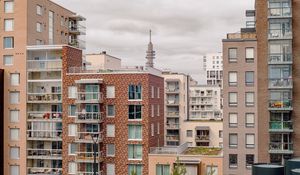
x=29 y=75
x=102 y=61
x=196 y=160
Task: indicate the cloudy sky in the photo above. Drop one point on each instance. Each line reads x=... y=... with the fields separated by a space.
x=183 y=30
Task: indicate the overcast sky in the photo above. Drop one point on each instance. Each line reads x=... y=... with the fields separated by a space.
x=183 y=30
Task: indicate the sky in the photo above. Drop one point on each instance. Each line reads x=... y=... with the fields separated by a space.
x=182 y=30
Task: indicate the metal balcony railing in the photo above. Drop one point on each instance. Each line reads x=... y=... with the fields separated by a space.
x=281 y=83
x=87 y=156
x=280 y=34
x=44 y=171
x=172 y=101
x=87 y=117
x=44 y=97
x=278 y=126
x=280 y=12
x=86 y=137
x=38 y=65
x=44 y=153
x=44 y=115
x=173 y=114
x=89 y=97
x=172 y=89
x=278 y=147
x=44 y=134
x=173 y=126
x=202 y=138
x=280 y=58
x=172 y=137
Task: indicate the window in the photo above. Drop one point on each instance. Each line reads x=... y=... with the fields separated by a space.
x=39 y=27
x=158 y=92
x=72 y=130
x=233 y=140
x=14 y=134
x=72 y=148
x=135 y=152
x=14 y=170
x=232 y=99
x=249 y=78
x=14 y=152
x=152 y=92
x=39 y=10
x=249 y=160
x=249 y=99
x=211 y=170
x=110 y=130
x=249 y=120
x=110 y=169
x=249 y=55
x=110 y=91
x=15 y=79
x=14 y=116
x=158 y=110
x=220 y=133
x=162 y=169
x=152 y=129
x=8 y=6
x=250 y=140
x=152 y=110
x=72 y=168
x=14 y=97
x=110 y=150
x=8 y=60
x=8 y=42
x=135 y=168
x=39 y=42
x=110 y=110
x=51 y=27
x=135 y=92
x=72 y=91
x=233 y=161
x=189 y=133
x=232 y=78
x=135 y=112
x=158 y=128
x=233 y=120
x=232 y=55
x=8 y=25
x=72 y=110
x=134 y=132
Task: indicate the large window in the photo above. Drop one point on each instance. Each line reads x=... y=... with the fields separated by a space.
x=7 y=60
x=72 y=91
x=280 y=51
x=72 y=130
x=110 y=91
x=14 y=153
x=14 y=134
x=162 y=169
x=110 y=130
x=233 y=161
x=135 y=112
x=72 y=168
x=135 y=168
x=14 y=97
x=14 y=170
x=232 y=78
x=14 y=116
x=249 y=55
x=233 y=140
x=72 y=148
x=135 y=152
x=39 y=27
x=232 y=99
x=232 y=55
x=134 y=132
x=39 y=10
x=249 y=120
x=51 y=27
x=249 y=98
x=249 y=160
x=15 y=79
x=8 y=6
x=8 y=25
x=233 y=120
x=250 y=140
x=135 y=92
x=110 y=150
x=249 y=78
x=72 y=110
x=8 y=42
x=110 y=169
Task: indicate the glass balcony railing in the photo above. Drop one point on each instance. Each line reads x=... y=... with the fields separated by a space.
x=88 y=137
x=280 y=58
x=280 y=104
x=172 y=89
x=87 y=156
x=48 y=65
x=172 y=101
x=88 y=117
x=40 y=115
x=280 y=12
x=202 y=138
x=281 y=126
x=172 y=125
x=172 y=137
x=44 y=97
x=281 y=83
x=278 y=147
x=280 y=34
x=44 y=153
x=44 y=171
x=89 y=97
x=77 y=29
x=44 y=134
x=173 y=114
x=77 y=43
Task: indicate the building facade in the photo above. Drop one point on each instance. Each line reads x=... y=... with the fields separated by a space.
x=32 y=79
x=213 y=66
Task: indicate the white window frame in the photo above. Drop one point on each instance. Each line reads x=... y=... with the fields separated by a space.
x=110 y=130
x=14 y=116
x=250 y=140
x=8 y=25
x=14 y=153
x=107 y=152
x=72 y=130
x=14 y=79
x=15 y=131
x=39 y=10
x=14 y=97
x=6 y=58
x=9 y=6
x=110 y=92
x=72 y=92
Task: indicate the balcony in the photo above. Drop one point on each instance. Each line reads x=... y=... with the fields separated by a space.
x=87 y=157
x=88 y=117
x=86 y=137
x=44 y=116
x=50 y=154
x=44 y=135
x=202 y=138
x=280 y=34
x=280 y=12
x=173 y=114
x=172 y=102
x=281 y=83
x=77 y=29
x=172 y=125
x=280 y=105
x=172 y=89
x=89 y=97
x=44 y=65
x=77 y=43
x=44 y=171
x=280 y=58
x=281 y=148
x=44 y=98
x=88 y=173
x=172 y=137
x=281 y=126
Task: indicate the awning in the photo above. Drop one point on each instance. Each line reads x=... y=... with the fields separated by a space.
x=172 y=80
x=202 y=128
x=89 y=81
x=190 y=162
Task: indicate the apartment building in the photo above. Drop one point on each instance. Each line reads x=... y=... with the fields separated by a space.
x=123 y=110
x=31 y=53
x=213 y=67
x=2 y=118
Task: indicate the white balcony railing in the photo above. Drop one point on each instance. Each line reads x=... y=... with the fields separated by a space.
x=44 y=153
x=87 y=117
x=89 y=97
x=87 y=156
x=44 y=115
x=88 y=137
x=44 y=134
x=38 y=65
x=44 y=97
x=44 y=171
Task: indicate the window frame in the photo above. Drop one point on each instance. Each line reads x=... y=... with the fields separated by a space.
x=232 y=104
x=232 y=83
x=231 y=59
x=233 y=145
x=232 y=125
x=249 y=59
